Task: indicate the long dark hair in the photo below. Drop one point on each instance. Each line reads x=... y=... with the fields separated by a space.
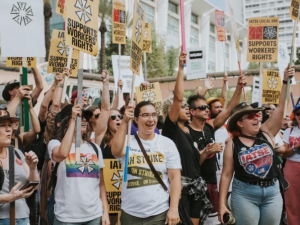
x=64 y=127
x=108 y=136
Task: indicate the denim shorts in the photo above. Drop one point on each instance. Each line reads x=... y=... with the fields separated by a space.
x=22 y=221
x=255 y=205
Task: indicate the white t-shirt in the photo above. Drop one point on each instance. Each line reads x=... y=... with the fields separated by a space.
x=278 y=140
x=77 y=190
x=221 y=135
x=142 y=195
x=292 y=138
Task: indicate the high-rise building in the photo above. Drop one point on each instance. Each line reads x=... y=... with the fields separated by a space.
x=200 y=29
x=273 y=8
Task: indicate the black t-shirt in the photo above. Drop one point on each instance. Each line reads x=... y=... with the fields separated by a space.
x=106 y=151
x=209 y=166
x=190 y=156
x=255 y=163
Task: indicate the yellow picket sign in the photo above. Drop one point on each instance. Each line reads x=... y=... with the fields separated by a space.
x=139 y=17
x=263 y=39
x=58 y=55
x=147 y=38
x=151 y=94
x=271 y=87
x=113 y=176
x=294 y=9
x=119 y=23
x=60 y=5
x=82 y=25
x=18 y=62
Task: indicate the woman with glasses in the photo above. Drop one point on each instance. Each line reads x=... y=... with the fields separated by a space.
x=25 y=171
x=144 y=200
x=250 y=156
x=291 y=170
x=93 y=121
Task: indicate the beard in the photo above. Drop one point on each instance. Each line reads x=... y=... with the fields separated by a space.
x=214 y=115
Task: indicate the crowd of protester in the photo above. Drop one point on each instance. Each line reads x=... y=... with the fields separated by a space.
x=206 y=152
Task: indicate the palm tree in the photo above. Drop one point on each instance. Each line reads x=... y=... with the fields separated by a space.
x=47 y=16
x=105 y=11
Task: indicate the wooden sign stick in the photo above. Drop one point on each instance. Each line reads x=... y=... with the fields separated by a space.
x=183 y=45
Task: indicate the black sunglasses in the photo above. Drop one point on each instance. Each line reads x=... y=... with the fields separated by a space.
x=113 y=117
x=202 y=107
x=97 y=115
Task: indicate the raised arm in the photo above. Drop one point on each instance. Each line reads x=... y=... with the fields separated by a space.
x=225 y=114
x=118 y=141
x=117 y=99
x=101 y=125
x=22 y=93
x=38 y=85
x=273 y=124
x=61 y=152
x=224 y=90
x=178 y=91
x=29 y=136
x=208 y=85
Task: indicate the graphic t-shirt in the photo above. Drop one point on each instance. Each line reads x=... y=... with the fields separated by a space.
x=142 y=195
x=254 y=163
x=292 y=138
x=77 y=189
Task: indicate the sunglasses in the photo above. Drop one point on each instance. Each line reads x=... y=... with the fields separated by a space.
x=202 y=107
x=297 y=114
x=113 y=117
x=251 y=116
x=97 y=115
x=183 y=106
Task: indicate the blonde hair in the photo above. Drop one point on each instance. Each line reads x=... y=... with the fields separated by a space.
x=167 y=104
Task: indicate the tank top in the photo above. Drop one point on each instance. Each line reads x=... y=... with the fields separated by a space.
x=255 y=163
x=19 y=144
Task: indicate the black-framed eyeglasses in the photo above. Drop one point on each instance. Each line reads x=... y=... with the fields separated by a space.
x=113 y=117
x=148 y=115
x=97 y=115
x=202 y=107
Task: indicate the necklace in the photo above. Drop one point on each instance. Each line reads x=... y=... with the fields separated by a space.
x=5 y=155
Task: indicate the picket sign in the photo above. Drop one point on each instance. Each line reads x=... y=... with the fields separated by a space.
x=183 y=44
x=291 y=61
x=63 y=97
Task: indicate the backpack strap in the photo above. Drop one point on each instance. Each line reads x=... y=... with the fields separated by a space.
x=12 y=205
x=94 y=147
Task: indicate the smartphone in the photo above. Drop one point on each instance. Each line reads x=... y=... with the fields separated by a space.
x=30 y=184
x=29 y=86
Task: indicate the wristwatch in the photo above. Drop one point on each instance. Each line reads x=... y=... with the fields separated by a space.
x=294 y=149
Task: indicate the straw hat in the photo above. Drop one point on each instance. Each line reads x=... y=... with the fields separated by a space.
x=213 y=99
x=238 y=112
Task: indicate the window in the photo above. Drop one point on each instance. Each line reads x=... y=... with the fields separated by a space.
x=150 y=13
x=194 y=18
x=173 y=7
x=212 y=54
x=212 y=28
x=173 y=29
x=194 y=39
x=227 y=62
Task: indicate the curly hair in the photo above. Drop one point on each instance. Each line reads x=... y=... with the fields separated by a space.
x=167 y=104
x=193 y=98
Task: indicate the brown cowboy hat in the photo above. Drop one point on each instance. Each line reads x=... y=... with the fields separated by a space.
x=213 y=99
x=238 y=112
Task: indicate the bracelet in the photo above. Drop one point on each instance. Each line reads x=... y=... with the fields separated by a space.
x=60 y=85
x=285 y=81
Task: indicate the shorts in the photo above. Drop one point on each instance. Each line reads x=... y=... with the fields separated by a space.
x=192 y=207
x=127 y=219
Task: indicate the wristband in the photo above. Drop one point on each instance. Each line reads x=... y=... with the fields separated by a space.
x=285 y=81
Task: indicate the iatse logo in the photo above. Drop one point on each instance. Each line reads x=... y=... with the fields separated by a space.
x=196 y=55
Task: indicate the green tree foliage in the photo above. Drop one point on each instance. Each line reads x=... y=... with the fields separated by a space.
x=297 y=62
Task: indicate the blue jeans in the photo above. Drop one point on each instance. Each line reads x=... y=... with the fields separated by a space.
x=255 y=205
x=23 y=221
x=97 y=221
x=50 y=208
